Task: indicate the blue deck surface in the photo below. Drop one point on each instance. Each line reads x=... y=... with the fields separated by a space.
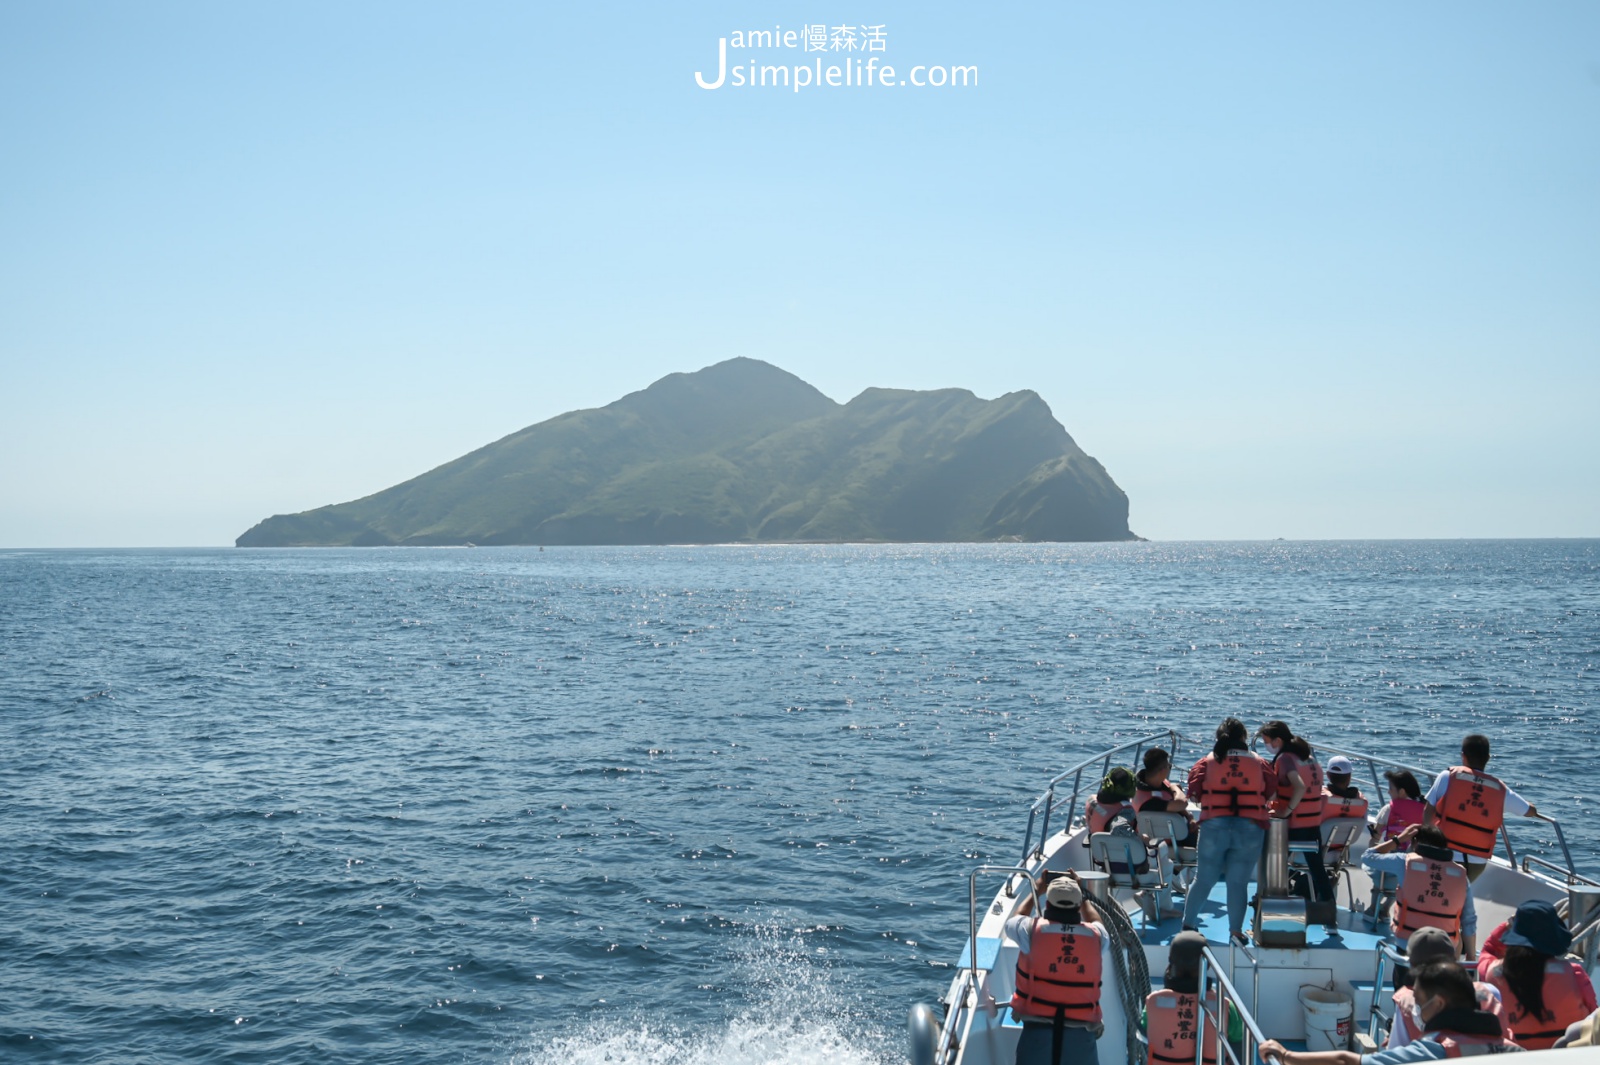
x=988 y=953
x=1213 y=924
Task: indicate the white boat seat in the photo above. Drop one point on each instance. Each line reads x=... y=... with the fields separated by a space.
x=1167 y=827
x=1339 y=835
x=1106 y=849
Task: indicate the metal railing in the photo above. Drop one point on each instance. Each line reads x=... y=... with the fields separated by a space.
x=1530 y=860
x=966 y=999
x=1227 y=996
x=972 y=907
x=1046 y=803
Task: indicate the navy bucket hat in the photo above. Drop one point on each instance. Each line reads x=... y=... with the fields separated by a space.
x=1536 y=924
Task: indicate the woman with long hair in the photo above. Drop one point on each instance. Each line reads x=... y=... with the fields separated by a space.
x=1299 y=798
x=1543 y=990
x=1404 y=808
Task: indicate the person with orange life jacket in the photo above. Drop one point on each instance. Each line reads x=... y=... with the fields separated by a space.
x=1299 y=798
x=1157 y=794
x=1470 y=805
x=1060 y=962
x=1173 y=1017
x=1452 y=1027
x=1404 y=809
x=1434 y=891
x=1232 y=785
x=1340 y=798
x=1544 y=992
x=1115 y=795
x=1425 y=946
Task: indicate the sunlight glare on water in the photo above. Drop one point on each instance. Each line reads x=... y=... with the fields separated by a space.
x=686 y=805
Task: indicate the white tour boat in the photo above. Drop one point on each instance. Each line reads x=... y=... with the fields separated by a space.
x=1261 y=981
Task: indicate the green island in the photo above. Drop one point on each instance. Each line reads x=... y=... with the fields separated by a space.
x=743 y=451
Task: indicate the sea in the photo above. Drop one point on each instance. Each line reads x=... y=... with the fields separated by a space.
x=664 y=805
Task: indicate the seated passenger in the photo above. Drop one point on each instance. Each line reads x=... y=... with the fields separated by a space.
x=1434 y=890
x=1404 y=808
x=1430 y=945
x=1115 y=795
x=1544 y=992
x=1340 y=798
x=1173 y=1015
x=1452 y=1026
x=1157 y=794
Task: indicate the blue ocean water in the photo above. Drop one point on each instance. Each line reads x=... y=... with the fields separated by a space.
x=678 y=806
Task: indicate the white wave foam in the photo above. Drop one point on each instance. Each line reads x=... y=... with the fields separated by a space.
x=797 y=1012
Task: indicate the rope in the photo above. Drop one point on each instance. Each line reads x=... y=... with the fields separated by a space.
x=1133 y=973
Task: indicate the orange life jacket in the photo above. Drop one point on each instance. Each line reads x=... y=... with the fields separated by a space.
x=1309 y=813
x=1403 y=813
x=1431 y=895
x=1339 y=806
x=1472 y=810
x=1235 y=786
x=1564 y=1002
x=1059 y=973
x=1457 y=1046
x=1488 y=1002
x=1145 y=794
x=1172 y=1021
x=1100 y=816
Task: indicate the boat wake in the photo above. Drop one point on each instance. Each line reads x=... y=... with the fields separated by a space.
x=798 y=1012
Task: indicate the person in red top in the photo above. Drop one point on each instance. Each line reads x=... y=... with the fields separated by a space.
x=1232 y=786
x=1543 y=990
x=1299 y=798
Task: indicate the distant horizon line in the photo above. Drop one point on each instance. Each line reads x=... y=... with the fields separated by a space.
x=821 y=543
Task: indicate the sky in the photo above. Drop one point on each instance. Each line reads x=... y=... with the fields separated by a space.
x=1299 y=270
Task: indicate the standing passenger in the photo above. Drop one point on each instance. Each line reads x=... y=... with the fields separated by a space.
x=1059 y=971
x=1232 y=785
x=1299 y=798
x=1470 y=805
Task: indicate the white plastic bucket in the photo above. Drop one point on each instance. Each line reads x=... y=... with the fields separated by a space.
x=1328 y=1016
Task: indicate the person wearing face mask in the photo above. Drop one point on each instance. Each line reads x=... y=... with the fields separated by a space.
x=1452 y=1026
x=1299 y=798
x=1428 y=945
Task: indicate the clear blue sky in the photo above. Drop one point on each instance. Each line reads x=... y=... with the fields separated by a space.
x=1303 y=270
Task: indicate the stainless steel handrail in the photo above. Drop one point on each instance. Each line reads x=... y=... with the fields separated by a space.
x=1386 y=951
x=1227 y=994
x=1571 y=877
x=1046 y=803
x=952 y=1023
x=972 y=908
